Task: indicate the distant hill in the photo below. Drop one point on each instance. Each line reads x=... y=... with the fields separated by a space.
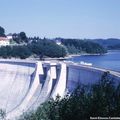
x=77 y=46
x=108 y=43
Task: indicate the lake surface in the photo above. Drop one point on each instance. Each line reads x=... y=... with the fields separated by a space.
x=111 y=60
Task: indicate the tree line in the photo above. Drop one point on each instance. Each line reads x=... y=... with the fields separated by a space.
x=40 y=48
x=27 y=46
x=114 y=47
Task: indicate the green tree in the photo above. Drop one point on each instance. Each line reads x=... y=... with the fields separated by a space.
x=47 y=48
x=2 y=114
x=2 y=32
x=23 y=37
x=102 y=97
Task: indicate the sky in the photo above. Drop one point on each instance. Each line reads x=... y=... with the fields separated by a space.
x=62 y=18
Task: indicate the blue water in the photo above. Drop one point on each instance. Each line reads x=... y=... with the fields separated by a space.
x=110 y=61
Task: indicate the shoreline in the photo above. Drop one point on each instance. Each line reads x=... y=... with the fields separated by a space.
x=84 y=54
x=49 y=58
x=69 y=56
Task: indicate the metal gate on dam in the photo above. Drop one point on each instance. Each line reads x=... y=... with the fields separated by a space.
x=24 y=88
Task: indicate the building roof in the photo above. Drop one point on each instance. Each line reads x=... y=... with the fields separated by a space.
x=3 y=38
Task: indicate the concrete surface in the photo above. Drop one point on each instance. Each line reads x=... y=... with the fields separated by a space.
x=24 y=85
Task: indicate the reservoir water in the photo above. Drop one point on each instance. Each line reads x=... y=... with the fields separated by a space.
x=110 y=61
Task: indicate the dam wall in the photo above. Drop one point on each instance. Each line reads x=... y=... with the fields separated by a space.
x=77 y=74
x=24 y=88
x=60 y=86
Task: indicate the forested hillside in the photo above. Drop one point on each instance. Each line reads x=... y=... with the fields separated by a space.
x=75 y=46
x=111 y=43
x=40 y=48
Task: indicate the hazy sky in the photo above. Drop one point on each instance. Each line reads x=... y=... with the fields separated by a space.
x=62 y=18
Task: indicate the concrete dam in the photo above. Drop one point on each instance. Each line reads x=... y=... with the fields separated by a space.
x=25 y=85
